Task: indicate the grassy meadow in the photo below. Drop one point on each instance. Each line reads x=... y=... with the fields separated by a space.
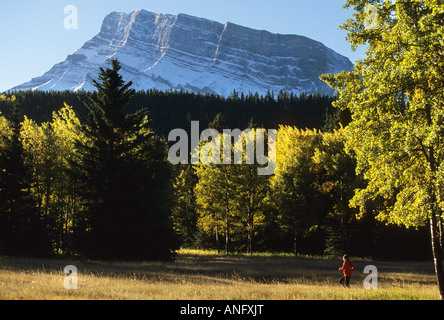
x=205 y=275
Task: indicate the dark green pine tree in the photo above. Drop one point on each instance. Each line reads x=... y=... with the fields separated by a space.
x=125 y=178
x=22 y=230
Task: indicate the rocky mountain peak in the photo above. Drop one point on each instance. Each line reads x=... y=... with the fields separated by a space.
x=185 y=52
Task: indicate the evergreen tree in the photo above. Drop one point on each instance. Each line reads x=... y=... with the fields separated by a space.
x=125 y=178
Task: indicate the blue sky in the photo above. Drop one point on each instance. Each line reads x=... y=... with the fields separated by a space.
x=34 y=38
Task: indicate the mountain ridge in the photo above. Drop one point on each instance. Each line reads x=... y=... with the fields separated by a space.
x=165 y=51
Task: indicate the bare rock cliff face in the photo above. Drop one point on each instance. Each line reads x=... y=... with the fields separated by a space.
x=183 y=52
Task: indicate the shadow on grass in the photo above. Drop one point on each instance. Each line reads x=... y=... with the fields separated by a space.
x=221 y=268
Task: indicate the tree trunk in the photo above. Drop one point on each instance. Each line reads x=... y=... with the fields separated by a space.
x=437 y=254
x=217 y=239
x=250 y=229
x=435 y=223
x=250 y=238
x=227 y=236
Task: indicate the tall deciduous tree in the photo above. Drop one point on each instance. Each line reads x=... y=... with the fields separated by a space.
x=250 y=188
x=293 y=188
x=185 y=214
x=22 y=231
x=49 y=148
x=396 y=98
x=336 y=182
x=215 y=199
x=230 y=195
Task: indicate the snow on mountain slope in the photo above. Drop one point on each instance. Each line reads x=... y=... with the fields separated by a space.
x=184 y=52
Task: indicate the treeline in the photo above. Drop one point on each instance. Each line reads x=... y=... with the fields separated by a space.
x=176 y=109
x=87 y=174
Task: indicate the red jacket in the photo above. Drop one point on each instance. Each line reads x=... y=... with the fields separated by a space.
x=348 y=268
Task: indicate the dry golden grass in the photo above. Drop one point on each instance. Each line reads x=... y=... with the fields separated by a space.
x=198 y=276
